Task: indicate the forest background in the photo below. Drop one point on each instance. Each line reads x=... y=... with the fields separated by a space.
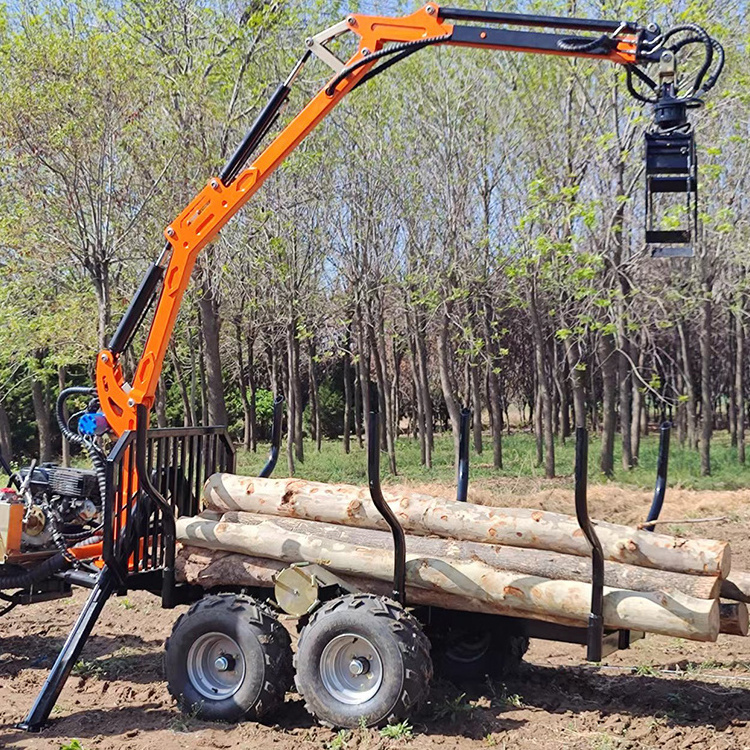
x=467 y=231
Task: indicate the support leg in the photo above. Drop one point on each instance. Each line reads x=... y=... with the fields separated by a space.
x=70 y=652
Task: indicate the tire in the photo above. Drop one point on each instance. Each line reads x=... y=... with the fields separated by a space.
x=257 y=669
x=376 y=635
x=469 y=654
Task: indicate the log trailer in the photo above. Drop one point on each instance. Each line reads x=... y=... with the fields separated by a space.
x=361 y=657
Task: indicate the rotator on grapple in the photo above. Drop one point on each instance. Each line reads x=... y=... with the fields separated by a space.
x=113 y=528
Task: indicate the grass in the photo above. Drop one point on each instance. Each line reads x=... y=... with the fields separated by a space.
x=72 y=745
x=401 y=731
x=331 y=464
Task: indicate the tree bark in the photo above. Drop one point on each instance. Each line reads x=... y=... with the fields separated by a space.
x=707 y=412
x=425 y=515
x=348 y=400
x=314 y=402
x=687 y=372
x=446 y=379
x=543 y=386
x=62 y=374
x=6 y=437
x=40 y=399
x=739 y=379
x=210 y=329
x=608 y=364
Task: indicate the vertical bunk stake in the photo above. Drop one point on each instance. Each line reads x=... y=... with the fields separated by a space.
x=273 y=456
x=373 y=476
x=462 y=491
x=595 y=632
x=661 y=474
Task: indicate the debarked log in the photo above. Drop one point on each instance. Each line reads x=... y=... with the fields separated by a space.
x=425 y=515
x=216 y=568
x=541 y=563
x=509 y=592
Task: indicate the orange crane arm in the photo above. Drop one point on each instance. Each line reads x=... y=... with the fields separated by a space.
x=221 y=198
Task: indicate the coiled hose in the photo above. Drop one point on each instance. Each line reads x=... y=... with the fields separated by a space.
x=27 y=578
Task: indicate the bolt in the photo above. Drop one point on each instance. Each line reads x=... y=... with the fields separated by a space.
x=667 y=56
x=170 y=232
x=352 y=21
x=653 y=28
x=221 y=664
x=309 y=41
x=131 y=402
x=365 y=52
x=359 y=666
x=430 y=9
x=215 y=184
x=105 y=358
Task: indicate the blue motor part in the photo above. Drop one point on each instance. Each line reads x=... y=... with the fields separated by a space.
x=93 y=423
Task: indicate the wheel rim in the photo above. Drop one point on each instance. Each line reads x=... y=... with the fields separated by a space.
x=351 y=669
x=470 y=647
x=216 y=666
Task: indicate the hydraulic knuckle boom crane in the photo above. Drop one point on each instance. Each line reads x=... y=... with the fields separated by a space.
x=112 y=546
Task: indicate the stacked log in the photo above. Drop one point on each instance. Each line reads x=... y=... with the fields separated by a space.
x=509 y=561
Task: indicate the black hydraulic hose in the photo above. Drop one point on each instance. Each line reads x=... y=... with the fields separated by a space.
x=62 y=423
x=573 y=44
x=392 y=50
x=26 y=578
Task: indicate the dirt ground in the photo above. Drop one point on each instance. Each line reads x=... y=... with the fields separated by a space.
x=663 y=693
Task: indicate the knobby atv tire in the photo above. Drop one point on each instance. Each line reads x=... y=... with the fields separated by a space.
x=265 y=645
x=471 y=654
x=401 y=644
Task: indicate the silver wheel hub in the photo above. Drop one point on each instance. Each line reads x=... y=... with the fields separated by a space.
x=216 y=666
x=351 y=669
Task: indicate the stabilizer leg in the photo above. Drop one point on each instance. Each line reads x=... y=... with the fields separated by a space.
x=68 y=656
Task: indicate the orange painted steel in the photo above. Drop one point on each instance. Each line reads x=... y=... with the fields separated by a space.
x=200 y=223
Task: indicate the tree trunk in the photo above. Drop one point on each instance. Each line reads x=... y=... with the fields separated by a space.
x=424 y=384
x=706 y=397
x=543 y=386
x=577 y=382
x=424 y=515
x=495 y=402
x=446 y=379
x=161 y=404
x=687 y=373
x=6 y=437
x=210 y=328
x=62 y=374
x=189 y=417
x=314 y=401
x=476 y=397
x=40 y=399
x=637 y=400
x=608 y=364
x=733 y=619
x=348 y=391
x=739 y=379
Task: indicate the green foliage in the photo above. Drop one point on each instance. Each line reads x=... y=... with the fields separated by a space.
x=331 y=406
x=401 y=731
x=72 y=745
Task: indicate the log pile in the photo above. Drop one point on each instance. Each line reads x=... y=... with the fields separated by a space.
x=509 y=561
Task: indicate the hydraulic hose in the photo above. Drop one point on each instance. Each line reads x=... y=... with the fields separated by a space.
x=26 y=578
